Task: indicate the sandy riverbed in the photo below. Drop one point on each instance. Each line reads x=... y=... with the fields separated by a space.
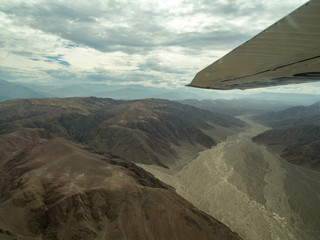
x=249 y=188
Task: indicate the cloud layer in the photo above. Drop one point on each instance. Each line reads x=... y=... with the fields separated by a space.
x=153 y=43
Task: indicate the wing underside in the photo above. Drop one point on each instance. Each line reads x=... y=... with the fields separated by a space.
x=288 y=52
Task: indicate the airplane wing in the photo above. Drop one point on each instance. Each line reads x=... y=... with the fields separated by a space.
x=288 y=52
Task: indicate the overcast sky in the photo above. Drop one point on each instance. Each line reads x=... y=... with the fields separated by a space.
x=153 y=43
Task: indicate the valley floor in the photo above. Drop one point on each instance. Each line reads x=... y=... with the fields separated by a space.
x=250 y=188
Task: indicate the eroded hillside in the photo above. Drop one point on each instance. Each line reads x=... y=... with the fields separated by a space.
x=66 y=171
x=56 y=189
x=250 y=188
x=296 y=134
x=147 y=131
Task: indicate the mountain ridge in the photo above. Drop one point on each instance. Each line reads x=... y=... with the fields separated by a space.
x=234 y=107
x=139 y=130
x=299 y=144
x=292 y=116
x=55 y=189
x=136 y=91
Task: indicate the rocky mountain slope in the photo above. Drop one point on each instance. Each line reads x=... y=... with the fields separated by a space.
x=66 y=169
x=145 y=131
x=52 y=188
x=301 y=144
x=291 y=116
x=296 y=133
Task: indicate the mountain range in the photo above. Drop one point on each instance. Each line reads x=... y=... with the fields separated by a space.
x=71 y=168
x=301 y=144
x=234 y=107
x=67 y=171
x=296 y=131
x=291 y=116
x=12 y=90
x=142 y=131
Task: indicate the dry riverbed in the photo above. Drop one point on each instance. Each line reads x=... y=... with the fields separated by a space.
x=249 y=188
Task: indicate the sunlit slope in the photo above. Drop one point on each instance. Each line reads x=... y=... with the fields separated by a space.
x=56 y=189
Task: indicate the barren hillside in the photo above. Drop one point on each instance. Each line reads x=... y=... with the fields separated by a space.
x=147 y=131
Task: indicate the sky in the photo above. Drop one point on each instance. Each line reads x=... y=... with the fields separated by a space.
x=159 y=43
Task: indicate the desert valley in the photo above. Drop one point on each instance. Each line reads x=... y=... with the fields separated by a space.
x=98 y=168
x=160 y=120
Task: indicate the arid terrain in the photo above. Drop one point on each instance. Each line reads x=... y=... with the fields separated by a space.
x=92 y=168
x=144 y=131
x=291 y=116
x=295 y=134
x=56 y=184
x=250 y=188
x=299 y=144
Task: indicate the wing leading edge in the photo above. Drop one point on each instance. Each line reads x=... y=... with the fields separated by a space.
x=288 y=52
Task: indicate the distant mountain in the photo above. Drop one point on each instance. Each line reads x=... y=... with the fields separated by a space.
x=124 y=92
x=143 y=131
x=9 y=90
x=52 y=188
x=136 y=91
x=236 y=107
x=72 y=90
x=290 y=98
x=292 y=116
x=130 y=92
x=301 y=144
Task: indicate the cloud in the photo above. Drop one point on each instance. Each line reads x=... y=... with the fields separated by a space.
x=134 y=27
x=156 y=65
x=148 y=42
x=114 y=26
